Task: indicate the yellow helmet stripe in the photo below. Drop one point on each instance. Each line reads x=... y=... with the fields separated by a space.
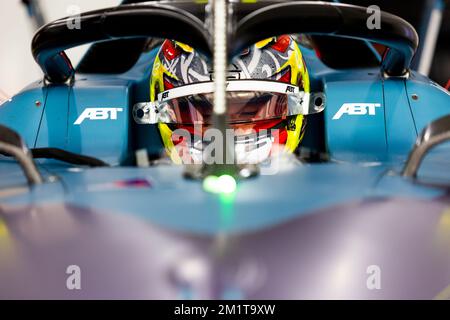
x=293 y=136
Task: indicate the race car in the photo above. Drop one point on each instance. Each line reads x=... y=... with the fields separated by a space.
x=355 y=205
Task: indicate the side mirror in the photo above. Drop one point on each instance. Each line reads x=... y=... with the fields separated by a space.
x=11 y=144
x=435 y=133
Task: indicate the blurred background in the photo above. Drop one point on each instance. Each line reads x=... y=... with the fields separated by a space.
x=18 y=23
x=19 y=19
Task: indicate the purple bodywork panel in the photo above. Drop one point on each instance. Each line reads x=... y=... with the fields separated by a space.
x=325 y=255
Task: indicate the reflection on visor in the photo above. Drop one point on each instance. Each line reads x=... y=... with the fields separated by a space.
x=241 y=107
x=247 y=101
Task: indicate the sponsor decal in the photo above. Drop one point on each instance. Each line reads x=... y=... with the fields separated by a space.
x=357 y=109
x=98 y=114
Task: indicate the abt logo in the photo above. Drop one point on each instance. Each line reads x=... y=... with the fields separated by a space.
x=356 y=109
x=98 y=114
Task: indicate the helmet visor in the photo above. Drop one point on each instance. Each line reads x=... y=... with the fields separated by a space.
x=247 y=101
x=242 y=106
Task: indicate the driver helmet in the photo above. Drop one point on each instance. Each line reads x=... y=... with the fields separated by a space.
x=258 y=80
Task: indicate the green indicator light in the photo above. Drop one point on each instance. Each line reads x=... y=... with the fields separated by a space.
x=221 y=185
x=227 y=184
x=210 y=184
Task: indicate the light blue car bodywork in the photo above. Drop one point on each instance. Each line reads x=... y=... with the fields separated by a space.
x=367 y=153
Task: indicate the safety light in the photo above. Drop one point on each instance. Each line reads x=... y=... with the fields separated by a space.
x=220 y=185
